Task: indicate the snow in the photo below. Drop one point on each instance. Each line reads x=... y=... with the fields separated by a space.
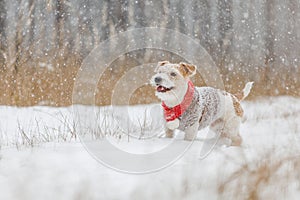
x=56 y=165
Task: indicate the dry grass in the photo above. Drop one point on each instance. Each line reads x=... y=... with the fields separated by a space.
x=43 y=127
x=39 y=132
x=37 y=87
x=258 y=179
x=41 y=82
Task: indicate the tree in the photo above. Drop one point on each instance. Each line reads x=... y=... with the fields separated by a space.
x=225 y=29
x=3 y=44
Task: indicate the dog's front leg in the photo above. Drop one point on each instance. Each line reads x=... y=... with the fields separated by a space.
x=191 y=132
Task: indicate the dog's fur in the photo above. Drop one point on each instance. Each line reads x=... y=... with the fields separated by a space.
x=218 y=109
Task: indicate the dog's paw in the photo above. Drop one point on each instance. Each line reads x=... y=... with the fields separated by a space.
x=172 y=125
x=224 y=142
x=188 y=137
x=169 y=133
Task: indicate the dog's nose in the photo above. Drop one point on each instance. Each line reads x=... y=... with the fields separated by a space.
x=157 y=79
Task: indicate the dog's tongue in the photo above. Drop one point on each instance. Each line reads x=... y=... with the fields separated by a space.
x=161 y=89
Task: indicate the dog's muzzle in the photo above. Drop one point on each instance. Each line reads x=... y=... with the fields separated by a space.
x=159 y=87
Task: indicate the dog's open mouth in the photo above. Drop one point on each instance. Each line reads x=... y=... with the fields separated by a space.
x=161 y=88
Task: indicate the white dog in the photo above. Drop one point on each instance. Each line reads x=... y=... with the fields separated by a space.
x=190 y=108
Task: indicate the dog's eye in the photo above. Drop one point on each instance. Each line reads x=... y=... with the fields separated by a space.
x=173 y=74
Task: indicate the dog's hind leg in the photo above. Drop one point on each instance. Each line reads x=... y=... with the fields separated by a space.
x=233 y=128
x=218 y=127
x=227 y=131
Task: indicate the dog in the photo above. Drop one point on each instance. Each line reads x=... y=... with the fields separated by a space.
x=189 y=108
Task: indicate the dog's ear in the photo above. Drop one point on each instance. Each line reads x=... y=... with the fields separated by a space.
x=162 y=63
x=187 y=69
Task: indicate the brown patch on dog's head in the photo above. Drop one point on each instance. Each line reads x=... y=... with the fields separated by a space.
x=187 y=70
x=161 y=63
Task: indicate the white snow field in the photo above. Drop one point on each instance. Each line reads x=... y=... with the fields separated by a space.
x=41 y=156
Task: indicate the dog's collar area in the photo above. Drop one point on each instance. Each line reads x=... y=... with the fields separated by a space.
x=175 y=112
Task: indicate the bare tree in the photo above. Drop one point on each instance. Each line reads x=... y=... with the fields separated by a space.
x=225 y=30
x=3 y=44
x=60 y=16
x=270 y=35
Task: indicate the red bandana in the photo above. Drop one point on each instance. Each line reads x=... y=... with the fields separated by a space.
x=175 y=112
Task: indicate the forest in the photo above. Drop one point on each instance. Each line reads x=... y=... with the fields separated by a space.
x=43 y=43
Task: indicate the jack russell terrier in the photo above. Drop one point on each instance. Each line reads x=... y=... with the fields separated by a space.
x=190 y=108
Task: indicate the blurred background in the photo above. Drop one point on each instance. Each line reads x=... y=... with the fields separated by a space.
x=43 y=43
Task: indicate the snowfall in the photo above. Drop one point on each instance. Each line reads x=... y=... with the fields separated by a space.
x=46 y=154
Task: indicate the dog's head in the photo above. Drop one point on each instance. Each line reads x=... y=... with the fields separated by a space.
x=171 y=80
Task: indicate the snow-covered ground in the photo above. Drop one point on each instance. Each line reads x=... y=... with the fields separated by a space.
x=41 y=156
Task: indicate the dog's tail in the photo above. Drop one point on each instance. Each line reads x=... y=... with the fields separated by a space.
x=245 y=92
